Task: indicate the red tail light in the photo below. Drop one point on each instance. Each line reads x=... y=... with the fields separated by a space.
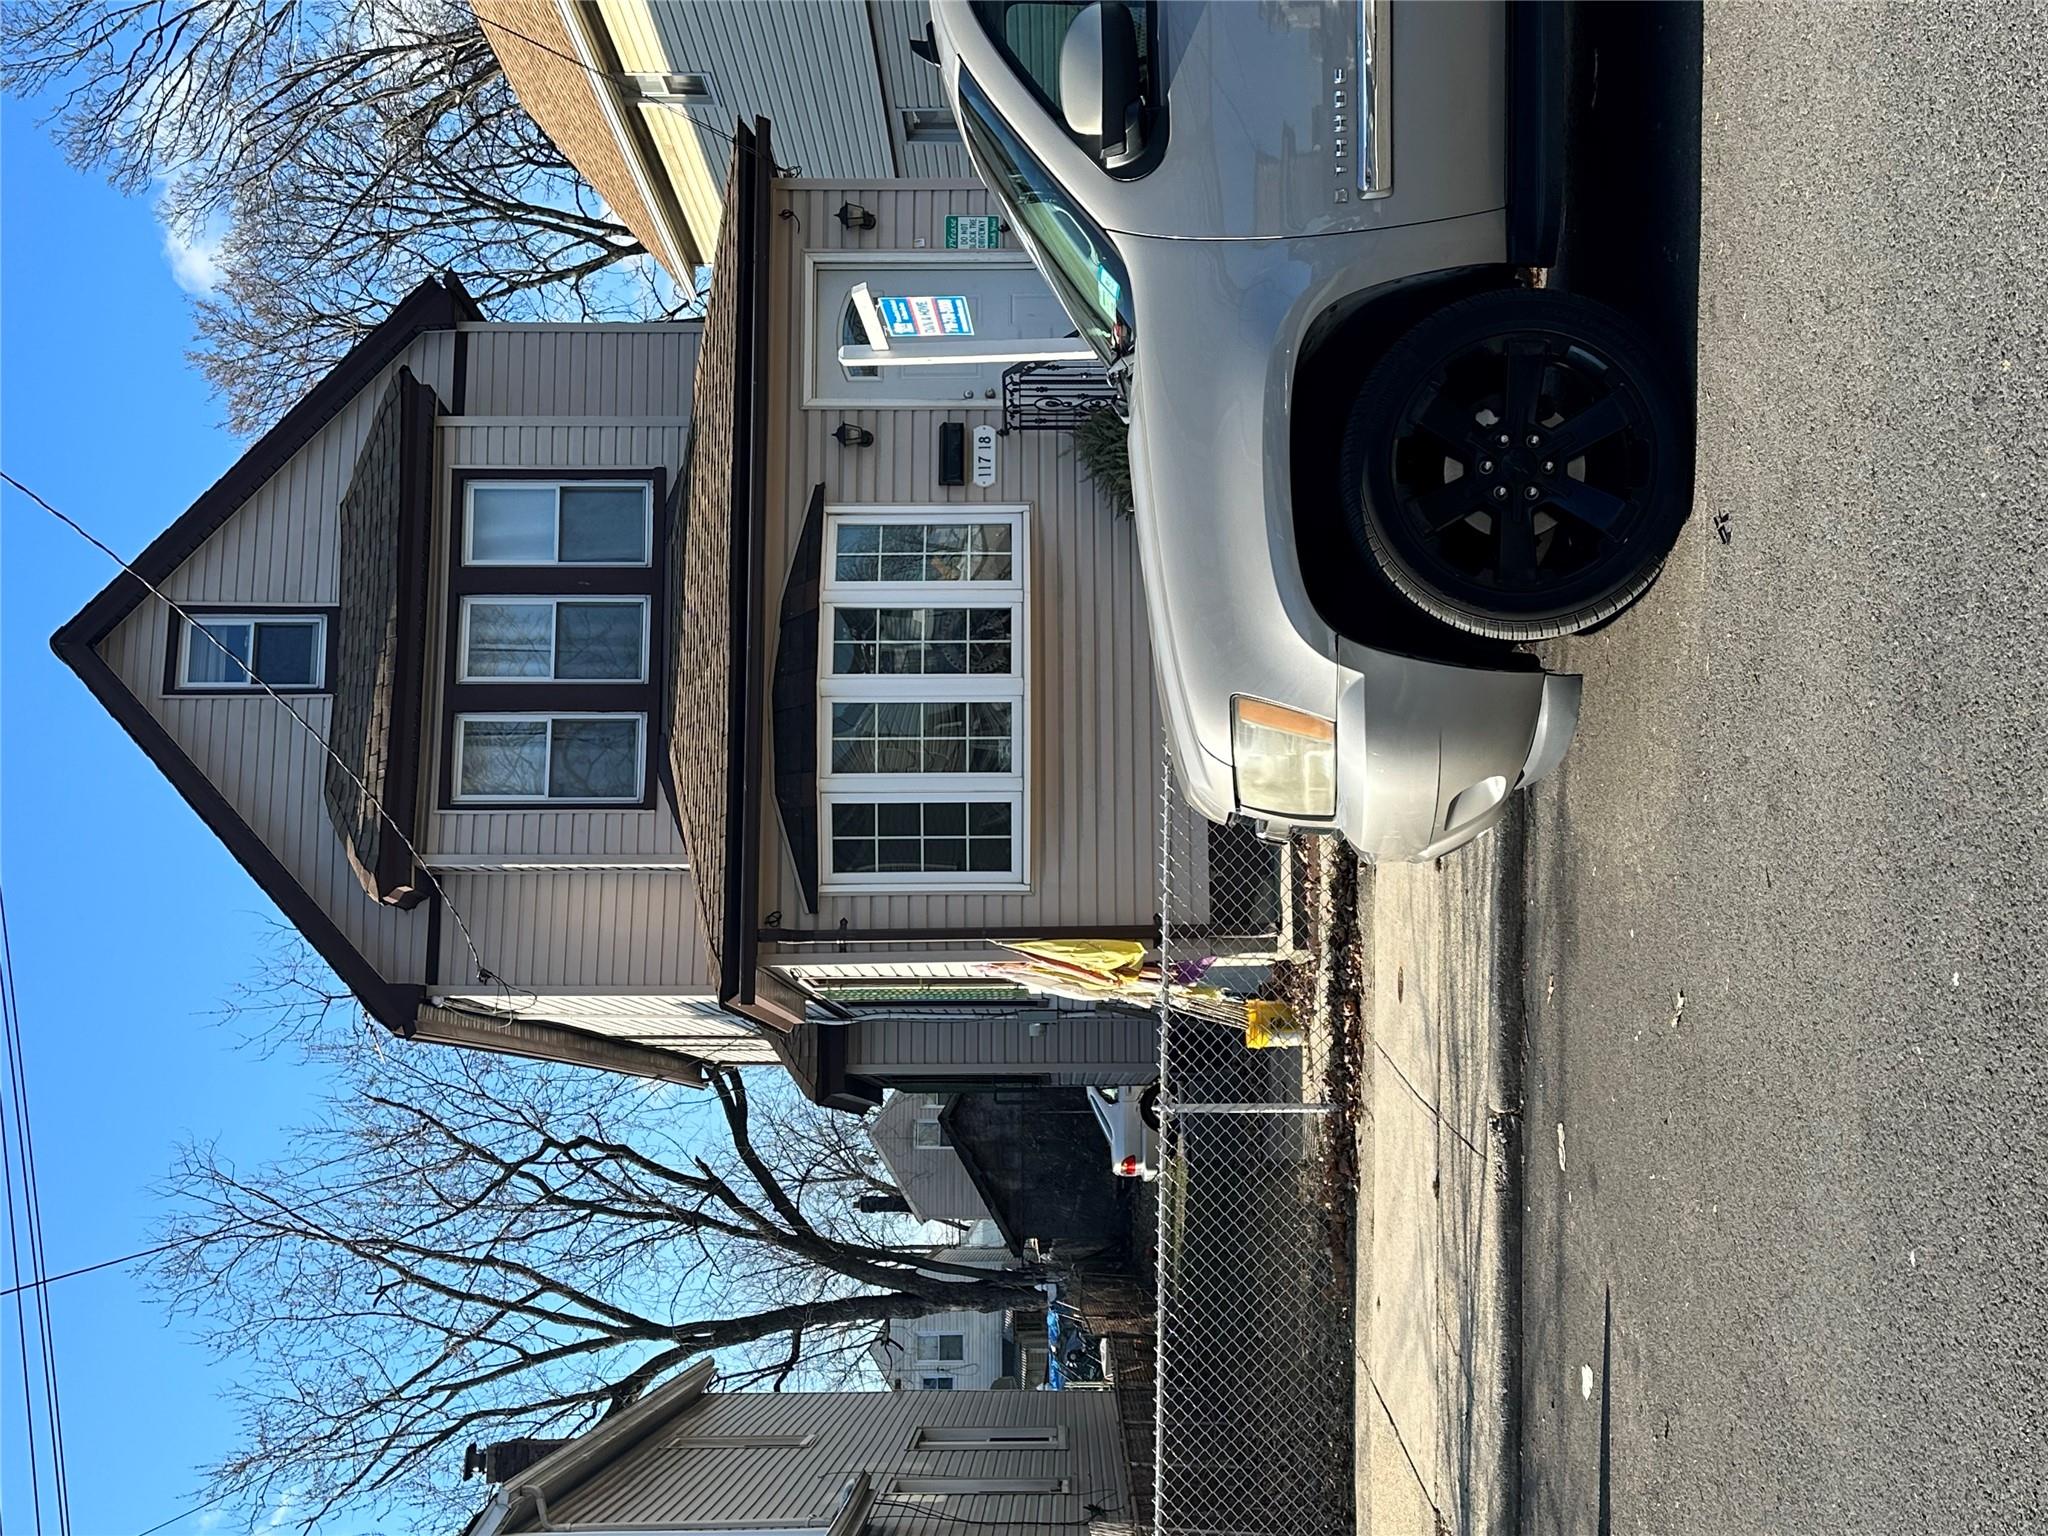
x=1128 y=1168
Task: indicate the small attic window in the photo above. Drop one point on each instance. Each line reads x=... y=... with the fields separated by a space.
x=244 y=652
x=687 y=89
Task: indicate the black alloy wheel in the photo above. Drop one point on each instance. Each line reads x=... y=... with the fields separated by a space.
x=1516 y=466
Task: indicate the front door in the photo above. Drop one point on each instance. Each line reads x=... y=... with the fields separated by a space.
x=1006 y=300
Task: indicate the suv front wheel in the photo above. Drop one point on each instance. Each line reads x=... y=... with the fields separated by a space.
x=1515 y=465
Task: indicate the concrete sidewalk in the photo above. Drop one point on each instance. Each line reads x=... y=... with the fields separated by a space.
x=1438 y=1242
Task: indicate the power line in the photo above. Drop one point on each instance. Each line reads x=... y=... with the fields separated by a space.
x=32 y=1212
x=126 y=1258
x=484 y=973
x=28 y=1411
x=183 y=1514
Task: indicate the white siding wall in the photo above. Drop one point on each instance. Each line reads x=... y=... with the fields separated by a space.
x=933 y=1179
x=981 y=1344
x=1094 y=810
x=907 y=81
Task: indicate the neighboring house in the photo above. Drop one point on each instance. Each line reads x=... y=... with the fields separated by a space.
x=452 y=560
x=947 y=1351
x=821 y=1464
x=642 y=96
x=914 y=1146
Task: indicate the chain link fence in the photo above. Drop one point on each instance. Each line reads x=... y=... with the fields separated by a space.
x=1254 y=1425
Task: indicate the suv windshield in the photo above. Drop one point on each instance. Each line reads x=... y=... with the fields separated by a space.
x=1070 y=248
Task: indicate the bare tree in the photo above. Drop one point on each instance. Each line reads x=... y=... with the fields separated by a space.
x=470 y=1246
x=338 y=151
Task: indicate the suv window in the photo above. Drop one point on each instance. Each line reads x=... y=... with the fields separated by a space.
x=1029 y=33
x=1071 y=249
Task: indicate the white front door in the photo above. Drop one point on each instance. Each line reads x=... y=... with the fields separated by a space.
x=1006 y=299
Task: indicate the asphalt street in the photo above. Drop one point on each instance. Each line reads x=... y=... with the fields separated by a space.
x=1786 y=906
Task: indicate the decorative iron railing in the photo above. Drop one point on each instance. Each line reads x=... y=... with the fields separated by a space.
x=1055 y=395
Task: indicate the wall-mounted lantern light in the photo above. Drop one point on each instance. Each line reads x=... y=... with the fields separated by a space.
x=851 y=436
x=853 y=216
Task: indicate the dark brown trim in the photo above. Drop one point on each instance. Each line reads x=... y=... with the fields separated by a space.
x=392 y=1004
x=174 y=648
x=536 y=697
x=395 y=878
x=793 y=699
x=1147 y=933
x=740 y=983
x=458 y=385
x=991 y=1196
x=434 y=305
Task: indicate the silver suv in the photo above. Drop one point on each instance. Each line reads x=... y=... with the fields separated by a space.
x=1367 y=457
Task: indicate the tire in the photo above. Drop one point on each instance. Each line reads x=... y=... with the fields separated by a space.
x=1148 y=1106
x=1595 y=466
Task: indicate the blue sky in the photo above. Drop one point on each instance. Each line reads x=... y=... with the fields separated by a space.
x=130 y=924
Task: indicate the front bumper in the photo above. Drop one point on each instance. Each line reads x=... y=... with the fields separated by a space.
x=1427 y=754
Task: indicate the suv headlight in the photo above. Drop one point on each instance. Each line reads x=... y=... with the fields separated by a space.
x=1286 y=760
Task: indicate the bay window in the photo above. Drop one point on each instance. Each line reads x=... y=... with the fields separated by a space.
x=553 y=666
x=924 y=755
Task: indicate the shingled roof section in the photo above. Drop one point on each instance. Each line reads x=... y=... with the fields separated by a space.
x=715 y=726
x=563 y=96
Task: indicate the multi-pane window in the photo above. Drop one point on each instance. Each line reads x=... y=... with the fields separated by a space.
x=529 y=522
x=956 y=736
x=284 y=650
x=932 y=642
x=923 y=837
x=935 y=1383
x=554 y=638
x=549 y=757
x=553 y=665
x=926 y=1134
x=923 y=755
x=942 y=1346
x=909 y=552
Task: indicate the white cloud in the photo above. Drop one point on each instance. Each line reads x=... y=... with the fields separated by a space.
x=195 y=263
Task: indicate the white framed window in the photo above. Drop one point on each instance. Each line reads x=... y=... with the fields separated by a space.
x=944 y=1347
x=544 y=758
x=988 y=1437
x=924 y=759
x=247 y=650
x=553 y=639
x=926 y=1134
x=569 y=522
x=935 y=1383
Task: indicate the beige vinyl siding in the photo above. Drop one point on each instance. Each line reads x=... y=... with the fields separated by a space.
x=696 y=1026
x=695 y=160
x=281 y=547
x=610 y=370
x=647 y=374
x=907 y=81
x=666 y=1483
x=809 y=69
x=933 y=1179
x=578 y=929
x=1079 y=1048
x=1094 y=805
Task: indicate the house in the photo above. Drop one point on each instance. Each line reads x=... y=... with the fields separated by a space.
x=450 y=562
x=926 y=1168
x=549 y=777
x=686 y=1458
x=642 y=96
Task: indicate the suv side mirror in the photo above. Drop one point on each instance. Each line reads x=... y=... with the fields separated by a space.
x=1099 y=79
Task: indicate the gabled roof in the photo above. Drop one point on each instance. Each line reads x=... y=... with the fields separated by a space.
x=437 y=304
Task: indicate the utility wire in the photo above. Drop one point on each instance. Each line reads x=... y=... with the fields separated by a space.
x=184 y=1514
x=32 y=1207
x=484 y=973
x=127 y=1258
x=28 y=1411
